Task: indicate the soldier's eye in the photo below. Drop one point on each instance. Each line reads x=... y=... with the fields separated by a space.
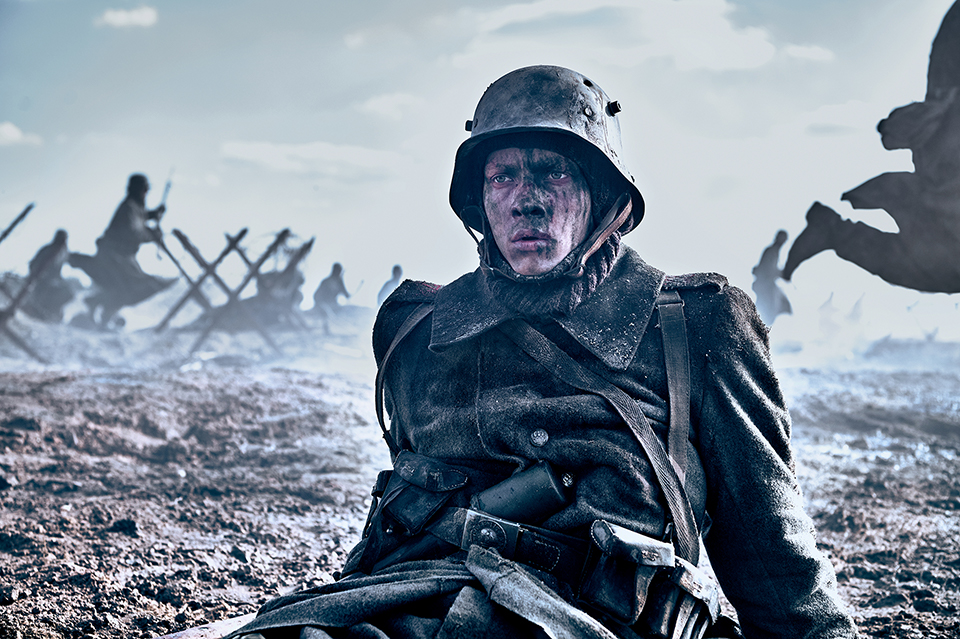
x=499 y=179
x=557 y=175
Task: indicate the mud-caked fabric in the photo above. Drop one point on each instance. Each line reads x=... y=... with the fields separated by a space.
x=459 y=391
x=462 y=392
x=480 y=595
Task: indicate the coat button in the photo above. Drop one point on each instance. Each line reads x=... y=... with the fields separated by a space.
x=539 y=437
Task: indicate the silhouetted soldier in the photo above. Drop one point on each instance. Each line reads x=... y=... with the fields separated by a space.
x=278 y=293
x=325 y=298
x=390 y=285
x=114 y=269
x=771 y=301
x=925 y=204
x=51 y=292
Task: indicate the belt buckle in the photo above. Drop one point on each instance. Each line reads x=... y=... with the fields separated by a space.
x=490 y=532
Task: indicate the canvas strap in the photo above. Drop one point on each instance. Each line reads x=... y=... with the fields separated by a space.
x=558 y=362
x=408 y=325
x=670 y=468
x=673 y=328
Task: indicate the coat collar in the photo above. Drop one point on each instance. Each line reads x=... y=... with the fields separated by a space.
x=610 y=323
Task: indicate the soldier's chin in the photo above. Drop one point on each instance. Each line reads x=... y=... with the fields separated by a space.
x=535 y=264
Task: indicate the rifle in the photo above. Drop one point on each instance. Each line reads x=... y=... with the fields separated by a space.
x=166 y=188
x=16 y=221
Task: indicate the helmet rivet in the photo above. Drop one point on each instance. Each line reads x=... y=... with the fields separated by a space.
x=588 y=111
x=469 y=125
x=613 y=108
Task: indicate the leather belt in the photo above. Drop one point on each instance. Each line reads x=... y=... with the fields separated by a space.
x=561 y=555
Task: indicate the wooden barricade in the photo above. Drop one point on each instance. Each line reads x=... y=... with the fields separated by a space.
x=218 y=315
x=18 y=298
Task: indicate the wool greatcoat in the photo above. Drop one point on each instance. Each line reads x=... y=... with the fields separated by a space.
x=460 y=391
x=114 y=267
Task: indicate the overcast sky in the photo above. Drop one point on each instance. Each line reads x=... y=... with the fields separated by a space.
x=340 y=120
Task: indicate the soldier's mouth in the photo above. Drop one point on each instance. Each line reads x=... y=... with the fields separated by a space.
x=530 y=240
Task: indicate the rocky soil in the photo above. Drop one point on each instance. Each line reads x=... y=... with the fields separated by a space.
x=143 y=492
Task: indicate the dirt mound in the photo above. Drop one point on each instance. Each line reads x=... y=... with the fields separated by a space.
x=138 y=503
x=138 y=500
x=877 y=455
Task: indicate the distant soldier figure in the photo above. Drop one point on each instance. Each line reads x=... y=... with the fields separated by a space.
x=390 y=285
x=114 y=269
x=325 y=298
x=278 y=292
x=925 y=203
x=51 y=292
x=771 y=301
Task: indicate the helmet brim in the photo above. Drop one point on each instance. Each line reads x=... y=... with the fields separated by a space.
x=466 y=186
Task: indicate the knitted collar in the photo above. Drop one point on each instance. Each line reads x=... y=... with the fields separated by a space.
x=609 y=322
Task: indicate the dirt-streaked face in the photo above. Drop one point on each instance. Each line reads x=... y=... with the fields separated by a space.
x=537 y=203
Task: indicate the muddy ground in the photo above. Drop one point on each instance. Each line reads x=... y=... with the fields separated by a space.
x=144 y=491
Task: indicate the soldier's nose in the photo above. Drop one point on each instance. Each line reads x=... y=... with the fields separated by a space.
x=529 y=210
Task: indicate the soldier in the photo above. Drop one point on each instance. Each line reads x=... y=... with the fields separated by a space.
x=924 y=203
x=51 y=292
x=326 y=297
x=567 y=422
x=114 y=269
x=390 y=285
x=771 y=300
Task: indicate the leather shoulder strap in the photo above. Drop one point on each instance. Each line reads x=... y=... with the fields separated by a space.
x=408 y=325
x=558 y=362
x=673 y=327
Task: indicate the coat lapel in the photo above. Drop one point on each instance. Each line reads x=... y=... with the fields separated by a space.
x=610 y=323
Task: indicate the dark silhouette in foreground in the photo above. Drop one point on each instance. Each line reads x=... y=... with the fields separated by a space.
x=114 y=269
x=925 y=203
x=771 y=301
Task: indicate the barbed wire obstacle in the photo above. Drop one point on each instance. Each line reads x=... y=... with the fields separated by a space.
x=59 y=246
x=266 y=285
x=216 y=317
x=194 y=292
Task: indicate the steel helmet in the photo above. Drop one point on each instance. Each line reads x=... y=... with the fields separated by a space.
x=553 y=108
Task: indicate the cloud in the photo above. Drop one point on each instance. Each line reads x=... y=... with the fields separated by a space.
x=695 y=34
x=316 y=158
x=354 y=40
x=809 y=52
x=830 y=130
x=11 y=135
x=391 y=105
x=121 y=18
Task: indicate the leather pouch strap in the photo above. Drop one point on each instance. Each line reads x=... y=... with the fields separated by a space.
x=558 y=362
x=408 y=325
x=673 y=327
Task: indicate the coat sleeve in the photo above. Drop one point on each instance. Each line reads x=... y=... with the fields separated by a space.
x=761 y=543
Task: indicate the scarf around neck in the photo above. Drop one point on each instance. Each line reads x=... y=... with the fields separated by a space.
x=550 y=294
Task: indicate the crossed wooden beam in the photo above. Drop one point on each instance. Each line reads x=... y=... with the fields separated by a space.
x=16 y=299
x=266 y=287
x=217 y=315
x=194 y=291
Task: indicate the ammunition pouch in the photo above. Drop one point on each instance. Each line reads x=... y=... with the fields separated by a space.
x=418 y=488
x=639 y=581
x=626 y=576
x=412 y=494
